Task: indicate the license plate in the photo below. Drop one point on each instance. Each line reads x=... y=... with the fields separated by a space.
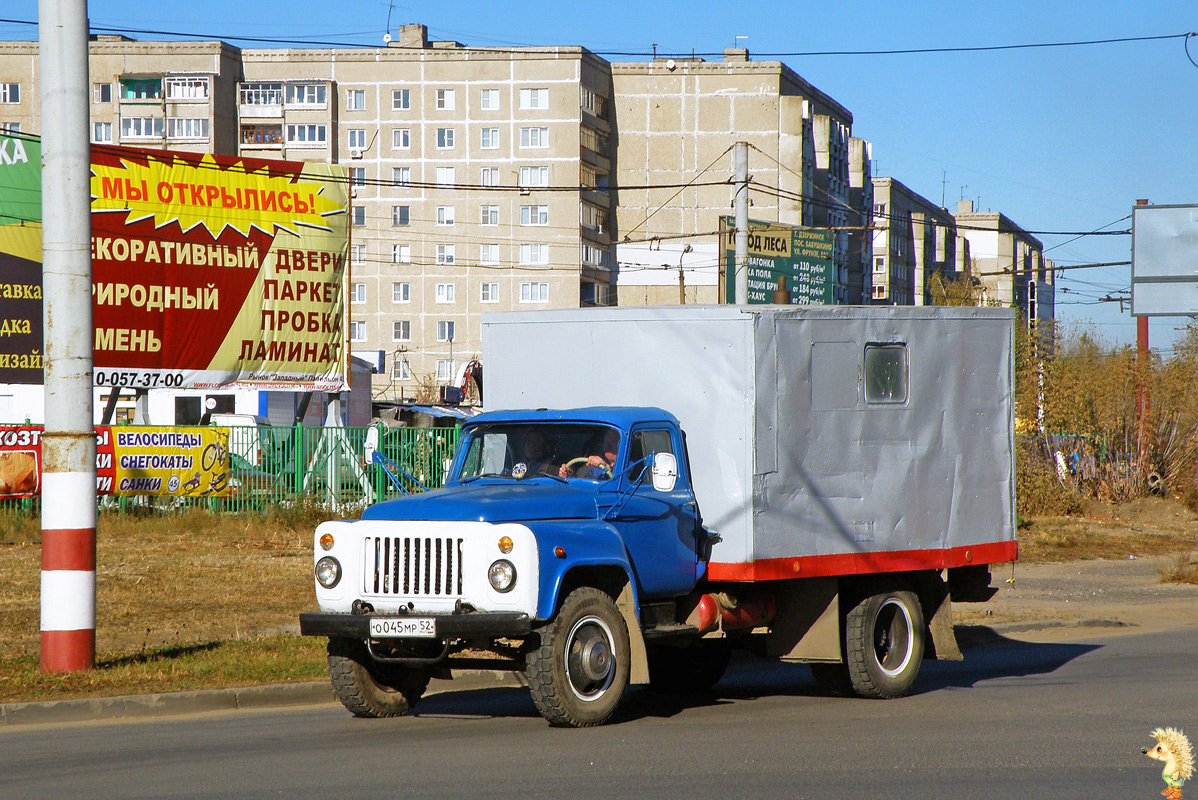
x=390 y=627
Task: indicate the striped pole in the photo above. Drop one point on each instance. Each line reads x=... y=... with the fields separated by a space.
x=68 y=600
x=68 y=570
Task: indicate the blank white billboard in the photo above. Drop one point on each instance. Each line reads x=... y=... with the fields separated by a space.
x=1164 y=260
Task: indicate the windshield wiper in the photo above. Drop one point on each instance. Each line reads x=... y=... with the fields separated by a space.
x=472 y=479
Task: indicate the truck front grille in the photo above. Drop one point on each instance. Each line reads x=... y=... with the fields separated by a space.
x=418 y=566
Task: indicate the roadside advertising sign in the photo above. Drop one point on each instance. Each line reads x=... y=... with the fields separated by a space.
x=21 y=346
x=207 y=271
x=164 y=462
x=787 y=265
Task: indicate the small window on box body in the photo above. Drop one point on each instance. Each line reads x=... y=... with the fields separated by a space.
x=886 y=373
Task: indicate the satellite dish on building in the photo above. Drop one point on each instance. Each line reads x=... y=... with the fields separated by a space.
x=386 y=38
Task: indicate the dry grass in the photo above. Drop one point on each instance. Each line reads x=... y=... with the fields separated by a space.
x=187 y=601
x=1182 y=568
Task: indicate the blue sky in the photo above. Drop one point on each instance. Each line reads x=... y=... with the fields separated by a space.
x=1058 y=139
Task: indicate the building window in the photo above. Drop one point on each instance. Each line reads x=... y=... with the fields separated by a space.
x=534 y=98
x=359 y=216
x=101 y=92
x=357 y=292
x=355 y=99
x=444 y=215
x=534 y=254
x=592 y=140
x=261 y=134
x=306 y=94
x=357 y=138
x=10 y=93
x=534 y=137
x=401 y=139
x=401 y=99
x=136 y=89
x=194 y=88
x=596 y=104
x=594 y=256
x=445 y=254
x=534 y=176
x=401 y=369
x=401 y=176
x=310 y=135
x=444 y=138
x=593 y=217
x=357 y=331
x=885 y=374
x=489 y=215
x=489 y=176
x=446 y=176
x=593 y=294
x=102 y=132
x=261 y=94
x=357 y=176
x=880 y=264
x=534 y=215
x=488 y=254
x=488 y=292
x=400 y=215
x=490 y=100
x=445 y=99
x=490 y=140
x=445 y=330
x=357 y=254
x=401 y=254
x=534 y=292
x=401 y=292
x=141 y=127
x=446 y=292
x=401 y=330
x=444 y=369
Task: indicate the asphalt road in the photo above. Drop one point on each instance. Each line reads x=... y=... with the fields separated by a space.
x=1059 y=719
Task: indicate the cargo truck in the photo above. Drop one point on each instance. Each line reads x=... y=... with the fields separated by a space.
x=653 y=488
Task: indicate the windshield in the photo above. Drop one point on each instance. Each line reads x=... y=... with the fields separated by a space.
x=529 y=450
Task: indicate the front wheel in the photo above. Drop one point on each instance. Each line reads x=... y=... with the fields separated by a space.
x=370 y=689
x=884 y=644
x=579 y=672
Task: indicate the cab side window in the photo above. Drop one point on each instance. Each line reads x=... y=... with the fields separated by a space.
x=646 y=442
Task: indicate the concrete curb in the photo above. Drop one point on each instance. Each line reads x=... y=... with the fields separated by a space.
x=168 y=704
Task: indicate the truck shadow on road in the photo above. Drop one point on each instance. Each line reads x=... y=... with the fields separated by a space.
x=988 y=656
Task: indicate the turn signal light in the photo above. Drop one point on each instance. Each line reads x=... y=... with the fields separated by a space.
x=505 y=544
x=326 y=541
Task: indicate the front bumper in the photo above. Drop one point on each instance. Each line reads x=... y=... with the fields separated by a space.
x=491 y=624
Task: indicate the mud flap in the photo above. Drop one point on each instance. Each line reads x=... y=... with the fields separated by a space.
x=944 y=640
x=639 y=668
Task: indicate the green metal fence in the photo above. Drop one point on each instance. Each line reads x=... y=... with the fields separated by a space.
x=282 y=466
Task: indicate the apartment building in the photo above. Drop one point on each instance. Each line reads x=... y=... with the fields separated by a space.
x=1009 y=262
x=676 y=121
x=914 y=243
x=481 y=177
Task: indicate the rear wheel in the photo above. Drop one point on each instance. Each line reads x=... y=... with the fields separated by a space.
x=370 y=689
x=884 y=644
x=579 y=672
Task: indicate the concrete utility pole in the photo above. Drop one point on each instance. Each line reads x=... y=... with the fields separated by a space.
x=68 y=591
x=741 y=151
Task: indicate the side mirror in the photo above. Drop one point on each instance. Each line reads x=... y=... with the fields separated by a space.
x=665 y=471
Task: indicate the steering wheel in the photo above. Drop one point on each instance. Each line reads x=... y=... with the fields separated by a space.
x=575 y=463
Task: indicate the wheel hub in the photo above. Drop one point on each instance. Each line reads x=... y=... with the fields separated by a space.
x=589 y=662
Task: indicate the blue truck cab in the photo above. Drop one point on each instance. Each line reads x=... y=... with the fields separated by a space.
x=554 y=532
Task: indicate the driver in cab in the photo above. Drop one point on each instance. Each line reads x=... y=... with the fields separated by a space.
x=598 y=466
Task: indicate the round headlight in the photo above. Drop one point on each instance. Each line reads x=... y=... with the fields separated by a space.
x=328 y=572
x=502 y=575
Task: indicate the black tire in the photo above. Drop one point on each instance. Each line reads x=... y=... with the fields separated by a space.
x=688 y=670
x=578 y=673
x=884 y=644
x=370 y=689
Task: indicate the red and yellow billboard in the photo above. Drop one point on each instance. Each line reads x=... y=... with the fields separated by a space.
x=207 y=270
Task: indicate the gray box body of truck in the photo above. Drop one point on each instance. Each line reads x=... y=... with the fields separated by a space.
x=855 y=439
